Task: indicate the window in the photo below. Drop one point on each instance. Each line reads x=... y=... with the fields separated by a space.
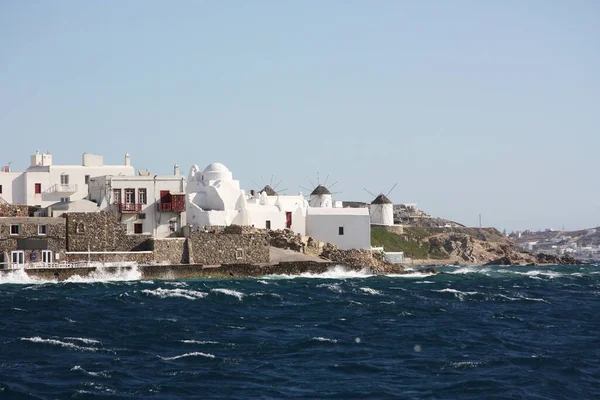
x=129 y=196
x=268 y=224
x=64 y=199
x=46 y=256
x=80 y=228
x=142 y=198
x=64 y=179
x=38 y=188
x=42 y=229
x=17 y=257
x=15 y=229
x=239 y=254
x=0 y=189
x=172 y=226
x=117 y=195
x=87 y=179
x=341 y=230
x=138 y=228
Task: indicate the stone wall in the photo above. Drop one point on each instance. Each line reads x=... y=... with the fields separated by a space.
x=171 y=250
x=102 y=231
x=14 y=210
x=227 y=248
x=54 y=238
x=140 y=257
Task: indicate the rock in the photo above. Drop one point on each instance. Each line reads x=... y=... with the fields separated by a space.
x=556 y=259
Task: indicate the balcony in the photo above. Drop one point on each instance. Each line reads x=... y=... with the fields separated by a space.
x=60 y=189
x=171 y=207
x=129 y=208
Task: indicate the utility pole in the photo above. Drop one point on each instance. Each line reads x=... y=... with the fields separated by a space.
x=479 y=220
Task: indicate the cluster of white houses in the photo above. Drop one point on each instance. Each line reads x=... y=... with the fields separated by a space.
x=160 y=205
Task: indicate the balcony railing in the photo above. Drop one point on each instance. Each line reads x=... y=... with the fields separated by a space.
x=129 y=207
x=171 y=207
x=61 y=189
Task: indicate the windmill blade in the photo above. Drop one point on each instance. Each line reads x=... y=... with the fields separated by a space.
x=275 y=187
x=333 y=184
x=369 y=192
x=256 y=184
x=271 y=181
x=318 y=181
x=308 y=190
x=309 y=181
x=326 y=178
x=388 y=193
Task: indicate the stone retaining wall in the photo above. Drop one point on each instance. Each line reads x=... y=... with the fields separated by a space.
x=102 y=231
x=138 y=257
x=223 y=248
x=171 y=250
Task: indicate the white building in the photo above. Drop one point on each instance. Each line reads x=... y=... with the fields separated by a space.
x=148 y=204
x=44 y=183
x=215 y=198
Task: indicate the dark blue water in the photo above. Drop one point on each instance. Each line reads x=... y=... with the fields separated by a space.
x=500 y=332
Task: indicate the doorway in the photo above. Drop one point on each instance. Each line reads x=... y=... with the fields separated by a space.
x=17 y=259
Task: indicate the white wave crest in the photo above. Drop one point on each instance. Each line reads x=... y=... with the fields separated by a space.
x=336 y=272
x=191 y=341
x=177 y=284
x=324 y=339
x=370 y=291
x=84 y=340
x=73 y=346
x=549 y=274
x=185 y=293
x=229 y=292
x=334 y=287
x=411 y=275
x=457 y=293
x=103 y=374
x=19 y=276
x=107 y=274
x=470 y=270
x=194 y=354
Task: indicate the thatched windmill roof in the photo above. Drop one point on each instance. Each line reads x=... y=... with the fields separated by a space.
x=320 y=190
x=381 y=199
x=269 y=190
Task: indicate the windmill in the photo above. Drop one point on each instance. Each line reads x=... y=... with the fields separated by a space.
x=269 y=188
x=320 y=196
x=381 y=210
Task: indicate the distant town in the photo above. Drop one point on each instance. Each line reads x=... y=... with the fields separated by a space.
x=581 y=244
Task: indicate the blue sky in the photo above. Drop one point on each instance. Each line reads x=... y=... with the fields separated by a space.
x=472 y=107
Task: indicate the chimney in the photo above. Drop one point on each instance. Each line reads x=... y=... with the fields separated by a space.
x=127 y=159
x=176 y=170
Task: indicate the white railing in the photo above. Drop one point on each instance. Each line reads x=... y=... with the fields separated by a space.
x=60 y=188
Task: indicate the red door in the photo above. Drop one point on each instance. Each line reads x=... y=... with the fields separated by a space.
x=288 y=219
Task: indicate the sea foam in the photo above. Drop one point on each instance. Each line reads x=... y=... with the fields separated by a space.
x=185 y=293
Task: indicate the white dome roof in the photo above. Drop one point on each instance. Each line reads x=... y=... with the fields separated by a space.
x=216 y=167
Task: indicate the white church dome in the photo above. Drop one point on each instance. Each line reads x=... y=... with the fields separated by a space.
x=216 y=171
x=216 y=167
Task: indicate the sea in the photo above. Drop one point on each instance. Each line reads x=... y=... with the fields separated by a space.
x=467 y=333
